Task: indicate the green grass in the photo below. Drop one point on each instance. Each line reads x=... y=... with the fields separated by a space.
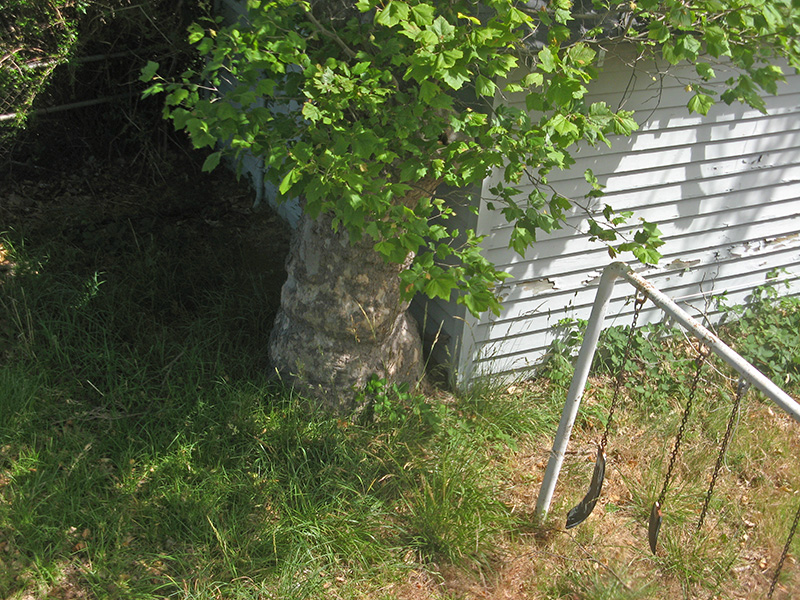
x=144 y=441
x=146 y=452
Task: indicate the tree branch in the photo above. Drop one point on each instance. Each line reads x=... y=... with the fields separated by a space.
x=330 y=34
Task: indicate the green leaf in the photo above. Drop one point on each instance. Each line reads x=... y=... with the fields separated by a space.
x=422 y=14
x=716 y=40
x=563 y=126
x=179 y=117
x=690 y=46
x=705 y=71
x=473 y=20
x=533 y=80
x=456 y=77
x=428 y=91
x=148 y=71
x=211 y=162
x=311 y=112
x=177 y=97
x=196 y=33
x=649 y=256
x=265 y=87
x=547 y=60
x=581 y=55
x=156 y=88
x=672 y=54
x=443 y=29
x=624 y=124
x=439 y=287
x=392 y=14
x=658 y=31
x=392 y=249
x=485 y=87
x=366 y=5
x=360 y=68
x=700 y=103
x=289 y=180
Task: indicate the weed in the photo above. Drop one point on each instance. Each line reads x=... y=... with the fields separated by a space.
x=145 y=454
x=767 y=331
x=392 y=405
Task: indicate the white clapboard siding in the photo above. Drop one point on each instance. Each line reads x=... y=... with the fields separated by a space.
x=724 y=190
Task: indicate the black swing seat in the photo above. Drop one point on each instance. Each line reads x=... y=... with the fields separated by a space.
x=581 y=511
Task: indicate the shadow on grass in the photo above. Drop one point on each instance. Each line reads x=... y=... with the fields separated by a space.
x=144 y=449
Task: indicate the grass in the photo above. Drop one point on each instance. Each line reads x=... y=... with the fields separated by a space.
x=145 y=452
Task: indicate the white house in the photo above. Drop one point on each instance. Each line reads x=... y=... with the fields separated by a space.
x=724 y=189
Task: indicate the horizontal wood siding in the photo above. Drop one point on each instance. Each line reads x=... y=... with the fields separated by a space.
x=445 y=325
x=724 y=189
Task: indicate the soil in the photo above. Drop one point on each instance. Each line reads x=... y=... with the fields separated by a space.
x=101 y=208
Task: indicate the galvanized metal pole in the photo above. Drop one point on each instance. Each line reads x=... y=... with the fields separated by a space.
x=748 y=371
x=587 y=351
x=575 y=393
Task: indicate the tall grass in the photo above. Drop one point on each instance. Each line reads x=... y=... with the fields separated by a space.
x=147 y=452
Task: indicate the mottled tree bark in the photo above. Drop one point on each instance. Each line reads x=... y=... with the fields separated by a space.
x=342 y=318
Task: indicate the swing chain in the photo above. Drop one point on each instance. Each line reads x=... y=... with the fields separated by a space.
x=638 y=302
x=784 y=554
x=702 y=353
x=741 y=390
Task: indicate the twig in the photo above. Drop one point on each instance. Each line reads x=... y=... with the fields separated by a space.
x=82 y=104
x=330 y=34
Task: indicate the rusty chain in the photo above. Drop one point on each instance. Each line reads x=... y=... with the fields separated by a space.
x=638 y=302
x=741 y=390
x=702 y=353
x=784 y=554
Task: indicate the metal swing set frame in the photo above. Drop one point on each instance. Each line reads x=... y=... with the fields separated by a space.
x=611 y=273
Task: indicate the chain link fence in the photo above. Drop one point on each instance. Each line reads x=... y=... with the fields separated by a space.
x=35 y=37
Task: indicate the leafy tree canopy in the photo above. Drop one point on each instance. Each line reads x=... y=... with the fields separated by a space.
x=364 y=109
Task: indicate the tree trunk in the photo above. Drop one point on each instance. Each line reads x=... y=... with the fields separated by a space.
x=341 y=319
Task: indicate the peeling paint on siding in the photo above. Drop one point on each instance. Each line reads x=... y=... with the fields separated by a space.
x=725 y=191
x=540 y=285
x=756 y=247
